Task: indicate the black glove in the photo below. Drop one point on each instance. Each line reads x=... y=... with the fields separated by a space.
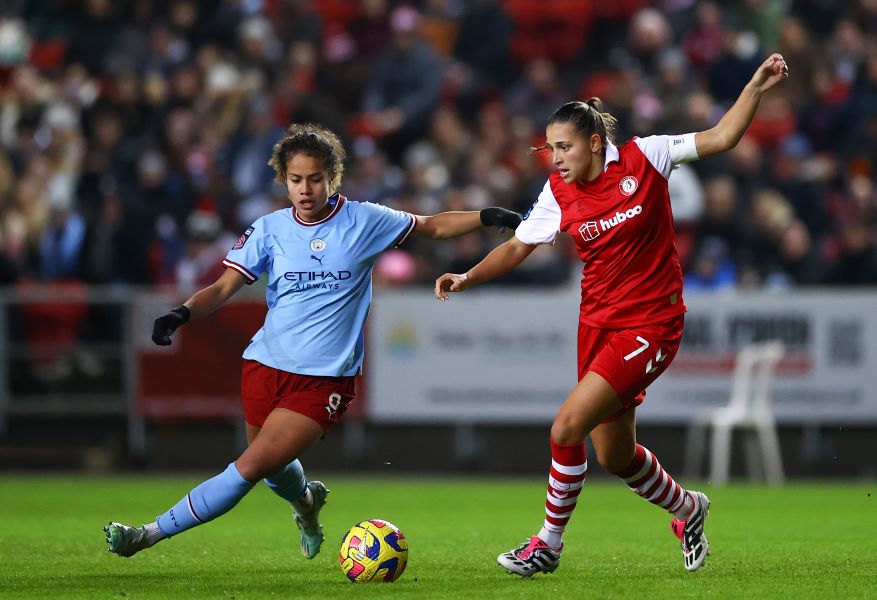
x=500 y=217
x=168 y=323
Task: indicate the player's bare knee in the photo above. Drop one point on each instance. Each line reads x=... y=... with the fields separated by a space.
x=255 y=469
x=566 y=430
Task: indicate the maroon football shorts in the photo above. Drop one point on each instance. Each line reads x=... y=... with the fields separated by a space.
x=323 y=399
x=629 y=359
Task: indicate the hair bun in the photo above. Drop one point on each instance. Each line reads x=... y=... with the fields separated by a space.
x=595 y=103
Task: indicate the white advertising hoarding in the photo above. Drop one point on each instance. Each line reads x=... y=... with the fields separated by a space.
x=501 y=356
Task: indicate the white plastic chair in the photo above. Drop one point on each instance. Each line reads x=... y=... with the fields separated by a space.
x=749 y=409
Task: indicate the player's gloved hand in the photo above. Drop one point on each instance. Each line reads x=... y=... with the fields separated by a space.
x=168 y=323
x=500 y=217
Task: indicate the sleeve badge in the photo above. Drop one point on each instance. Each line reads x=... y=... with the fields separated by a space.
x=243 y=239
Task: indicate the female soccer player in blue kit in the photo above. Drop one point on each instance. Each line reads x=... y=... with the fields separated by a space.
x=299 y=369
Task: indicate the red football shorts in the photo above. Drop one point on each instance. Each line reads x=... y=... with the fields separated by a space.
x=629 y=359
x=323 y=399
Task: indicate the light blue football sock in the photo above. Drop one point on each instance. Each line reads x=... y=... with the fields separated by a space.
x=290 y=483
x=209 y=500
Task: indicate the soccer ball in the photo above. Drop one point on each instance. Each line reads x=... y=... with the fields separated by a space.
x=373 y=550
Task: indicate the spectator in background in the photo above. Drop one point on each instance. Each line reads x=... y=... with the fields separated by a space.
x=480 y=68
x=226 y=95
x=846 y=49
x=427 y=176
x=796 y=44
x=12 y=228
x=862 y=151
x=827 y=113
x=748 y=166
x=250 y=173
x=856 y=262
x=95 y=30
x=117 y=242
x=370 y=29
x=159 y=190
x=799 y=261
x=51 y=329
x=770 y=214
x=22 y=104
x=711 y=268
x=723 y=220
x=739 y=57
x=452 y=140
x=819 y=15
x=207 y=243
x=796 y=175
x=440 y=24
x=62 y=241
x=404 y=85
x=296 y=21
x=704 y=41
x=673 y=85
x=260 y=50
x=350 y=52
x=537 y=92
x=764 y=17
x=373 y=176
x=648 y=37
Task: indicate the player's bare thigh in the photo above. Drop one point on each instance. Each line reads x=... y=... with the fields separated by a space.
x=590 y=402
x=283 y=437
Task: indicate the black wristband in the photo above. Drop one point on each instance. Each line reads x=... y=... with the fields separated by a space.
x=183 y=312
x=499 y=217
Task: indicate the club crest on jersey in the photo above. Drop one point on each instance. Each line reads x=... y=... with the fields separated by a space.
x=628 y=185
x=243 y=239
x=317 y=245
x=589 y=230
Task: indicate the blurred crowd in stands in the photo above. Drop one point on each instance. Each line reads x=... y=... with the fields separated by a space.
x=134 y=135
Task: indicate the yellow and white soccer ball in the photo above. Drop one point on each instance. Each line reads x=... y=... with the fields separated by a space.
x=373 y=550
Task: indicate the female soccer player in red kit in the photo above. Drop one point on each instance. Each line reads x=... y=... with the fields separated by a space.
x=614 y=201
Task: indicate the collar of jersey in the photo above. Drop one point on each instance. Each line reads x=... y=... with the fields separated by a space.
x=339 y=200
x=611 y=154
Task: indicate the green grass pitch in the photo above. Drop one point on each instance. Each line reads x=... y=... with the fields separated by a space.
x=799 y=541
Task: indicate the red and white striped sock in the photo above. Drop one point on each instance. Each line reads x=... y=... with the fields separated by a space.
x=647 y=478
x=569 y=467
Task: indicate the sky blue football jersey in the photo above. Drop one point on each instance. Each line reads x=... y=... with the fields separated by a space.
x=319 y=283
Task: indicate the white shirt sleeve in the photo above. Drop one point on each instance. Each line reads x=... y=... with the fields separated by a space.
x=667 y=151
x=541 y=224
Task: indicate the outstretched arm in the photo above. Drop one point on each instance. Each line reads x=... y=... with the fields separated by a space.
x=216 y=294
x=733 y=124
x=500 y=261
x=456 y=223
x=201 y=303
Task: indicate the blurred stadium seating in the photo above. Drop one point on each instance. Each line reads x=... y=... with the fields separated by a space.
x=134 y=138
x=134 y=135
